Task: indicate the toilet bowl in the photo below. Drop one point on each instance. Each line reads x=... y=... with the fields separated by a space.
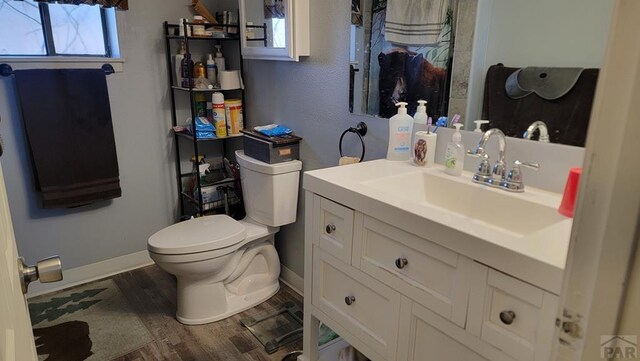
x=224 y=266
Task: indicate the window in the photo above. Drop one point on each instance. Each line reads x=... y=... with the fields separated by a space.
x=28 y=28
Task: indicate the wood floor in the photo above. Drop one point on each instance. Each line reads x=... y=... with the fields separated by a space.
x=152 y=294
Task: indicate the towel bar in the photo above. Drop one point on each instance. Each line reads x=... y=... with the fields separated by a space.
x=360 y=130
x=7 y=70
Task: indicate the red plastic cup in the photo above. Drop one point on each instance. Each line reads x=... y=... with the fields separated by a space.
x=570 y=195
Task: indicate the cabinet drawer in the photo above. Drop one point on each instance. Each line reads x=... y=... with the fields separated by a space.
x=432 y=275
x=333 y=228
x=518 y=318
x=363 y=306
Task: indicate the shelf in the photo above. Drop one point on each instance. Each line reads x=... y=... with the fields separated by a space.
x=203 y=90
x=188 y=136
x=217 y=204
x=220 y=182
x=178 y=37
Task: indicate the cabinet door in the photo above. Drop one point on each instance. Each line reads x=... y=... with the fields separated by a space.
x=425 y=336
x=517 y=317
x=279 y=30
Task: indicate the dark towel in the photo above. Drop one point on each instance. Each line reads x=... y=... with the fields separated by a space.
x=566 y=117
x=67 y=118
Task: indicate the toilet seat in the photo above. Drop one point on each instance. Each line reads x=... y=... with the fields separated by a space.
x=203 y=234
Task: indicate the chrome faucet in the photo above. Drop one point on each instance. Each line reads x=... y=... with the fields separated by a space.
x=541 y=127
x=484 y=175
x=497 y=178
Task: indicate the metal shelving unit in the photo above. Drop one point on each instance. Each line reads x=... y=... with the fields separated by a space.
x=194 y=197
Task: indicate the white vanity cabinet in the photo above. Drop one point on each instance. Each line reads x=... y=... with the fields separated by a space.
x=395 y=295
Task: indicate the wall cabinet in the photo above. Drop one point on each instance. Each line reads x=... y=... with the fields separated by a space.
x=274 y=30
x=398 y=296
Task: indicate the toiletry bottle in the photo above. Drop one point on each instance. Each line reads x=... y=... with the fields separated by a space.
x=187 y=71
x=177 y=63
x=424 y=147
x=199 y=70
x=219 y=59
x=212 y=71
x=454 y=157
x=420 y=119
x=479 y=124
x=400 y=131
x=219 y=116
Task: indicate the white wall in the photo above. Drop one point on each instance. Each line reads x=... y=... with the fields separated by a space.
x=518 y=33
x=140 y=110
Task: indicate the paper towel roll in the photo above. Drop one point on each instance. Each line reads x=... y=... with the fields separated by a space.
x=424 y=149
x=230 y=79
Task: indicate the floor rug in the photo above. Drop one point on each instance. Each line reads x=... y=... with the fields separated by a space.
x=89 y=322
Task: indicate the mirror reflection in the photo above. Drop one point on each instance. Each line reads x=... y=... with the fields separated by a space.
x=400 y=51
x=266 y=23
x=528 y=67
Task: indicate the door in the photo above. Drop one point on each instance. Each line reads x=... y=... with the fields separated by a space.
x=607 y=217
x=15 y=325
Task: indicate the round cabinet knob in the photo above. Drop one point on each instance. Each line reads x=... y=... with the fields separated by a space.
x=401 y=263
x=330 y=228
x=507 y=317
x=349 y=300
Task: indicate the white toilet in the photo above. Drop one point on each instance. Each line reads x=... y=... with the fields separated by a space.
x=224 y=266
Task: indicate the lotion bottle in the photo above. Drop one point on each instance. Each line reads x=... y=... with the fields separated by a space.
x=400 y=131
x=454 y=157
x=220 y=59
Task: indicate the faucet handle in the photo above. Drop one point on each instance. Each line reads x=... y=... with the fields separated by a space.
x=477 y=153
x=514 y=181
x=534 y=166
x=483 y=175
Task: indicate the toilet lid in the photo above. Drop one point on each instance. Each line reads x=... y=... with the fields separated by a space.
x=198 y=235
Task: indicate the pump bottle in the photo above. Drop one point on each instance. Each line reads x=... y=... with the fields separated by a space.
x=454 y=157
x=400 y=131
x=219 y=59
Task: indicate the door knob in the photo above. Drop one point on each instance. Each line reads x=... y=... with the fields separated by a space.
x=46 y=271
x=349 y=300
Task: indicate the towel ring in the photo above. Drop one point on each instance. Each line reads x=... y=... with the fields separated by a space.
x=360 y=130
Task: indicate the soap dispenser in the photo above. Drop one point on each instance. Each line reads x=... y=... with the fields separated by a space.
x=400 y=131
x=479 y=124
x=421 y=117
x=454 y=157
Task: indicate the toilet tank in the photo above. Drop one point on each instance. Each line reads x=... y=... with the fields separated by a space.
x=270 y=191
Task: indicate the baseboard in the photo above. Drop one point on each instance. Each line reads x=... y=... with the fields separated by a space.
x=292 y=279
x=91 y=272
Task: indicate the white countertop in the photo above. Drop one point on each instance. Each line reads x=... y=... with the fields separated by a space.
x=538 y=258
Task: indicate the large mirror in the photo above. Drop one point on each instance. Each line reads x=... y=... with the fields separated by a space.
x=512 y=62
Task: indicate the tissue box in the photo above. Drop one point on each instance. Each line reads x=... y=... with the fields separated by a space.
x=271 y=149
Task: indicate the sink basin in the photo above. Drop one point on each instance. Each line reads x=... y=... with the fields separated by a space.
x=517 y=214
